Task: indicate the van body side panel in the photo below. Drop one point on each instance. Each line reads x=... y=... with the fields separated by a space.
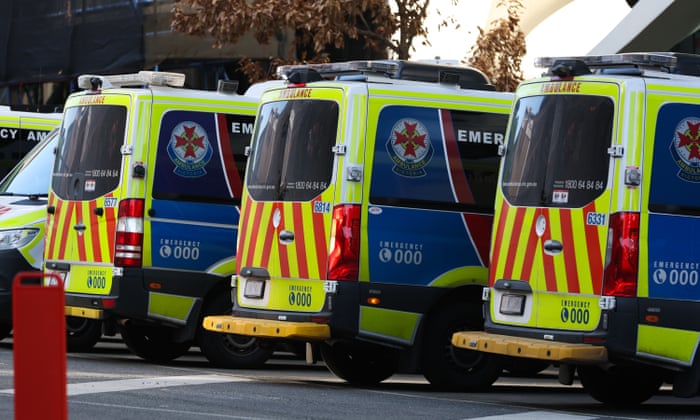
x=669 y=278
x=429 y=212
x=194 y=214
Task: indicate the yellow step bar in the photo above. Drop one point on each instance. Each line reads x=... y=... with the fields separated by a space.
x=529 y=347
x=84 y=312
x=266 y=327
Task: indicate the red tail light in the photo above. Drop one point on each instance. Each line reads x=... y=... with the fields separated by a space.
x=129 y=241
x=344 y=256
x=622 y=262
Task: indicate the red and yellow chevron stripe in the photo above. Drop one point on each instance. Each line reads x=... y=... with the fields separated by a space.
x=259 y=244
x=95 y=245
x=518 y=252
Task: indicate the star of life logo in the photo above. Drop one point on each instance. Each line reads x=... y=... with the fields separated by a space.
x=189 y=149
x=685 y=149
x=409 y=148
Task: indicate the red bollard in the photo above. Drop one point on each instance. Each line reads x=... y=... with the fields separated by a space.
x=39 y=346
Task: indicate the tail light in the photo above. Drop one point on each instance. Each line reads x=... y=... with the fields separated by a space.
x=129 y=240
x=344 y=256
x=622 y=262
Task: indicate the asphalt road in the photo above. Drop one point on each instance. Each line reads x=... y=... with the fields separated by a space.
x=111 y=383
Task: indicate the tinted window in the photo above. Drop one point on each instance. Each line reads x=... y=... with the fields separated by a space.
x=88 y=160
x=557 y=151
x=675 y=174
x=16 y=142
x=201 y=156
x=32 y=174
x=432 y=158
x=292 y=159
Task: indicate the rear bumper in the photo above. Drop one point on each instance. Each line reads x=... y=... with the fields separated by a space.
x=267 y=328
x=530 y=347
x=81 y=312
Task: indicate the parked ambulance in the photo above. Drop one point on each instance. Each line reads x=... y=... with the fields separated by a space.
x=143 y=211
x=20 y=131
x=23 y=198
x=366 y=217
x=594 y=262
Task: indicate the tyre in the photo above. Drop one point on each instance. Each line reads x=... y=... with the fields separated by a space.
x=231 y=350
x=82 y=333
x=152 y=343
x=5 y=330
x=620 y=385
x=358 y=363
x=448 y=367
x=520 y=366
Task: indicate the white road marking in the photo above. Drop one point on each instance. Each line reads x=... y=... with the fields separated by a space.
x=142 y=383
x=535 y=415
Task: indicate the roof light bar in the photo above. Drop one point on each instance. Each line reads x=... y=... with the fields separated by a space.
x=464 y=77
x=331 y=69
x=152 y=78
x=655 y=60
x=664 y=61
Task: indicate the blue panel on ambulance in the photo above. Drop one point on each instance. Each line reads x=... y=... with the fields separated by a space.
x=674 y=204
x=410 y=246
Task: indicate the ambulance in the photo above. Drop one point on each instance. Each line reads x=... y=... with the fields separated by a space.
x=366 y=218
x=23 y=194
x=595 y=265
x=143 y=211
x=20 y=131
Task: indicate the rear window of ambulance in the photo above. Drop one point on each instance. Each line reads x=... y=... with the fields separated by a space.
x=292 y=156
x=557 y=151
x=88 y=158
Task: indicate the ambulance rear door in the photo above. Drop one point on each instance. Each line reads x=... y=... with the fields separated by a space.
x=85 y=191
x=553 y=206
x=289 y=196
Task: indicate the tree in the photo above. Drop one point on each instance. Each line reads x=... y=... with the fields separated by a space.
x=320 y=26
x=498 y=52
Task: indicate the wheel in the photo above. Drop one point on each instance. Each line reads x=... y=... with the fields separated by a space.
x=5 y=330
x=449 y=367
x=358 y=363
x=152 y=343
x=520 y=366
x=620 y=385
x=231 y=350
x=82 y=333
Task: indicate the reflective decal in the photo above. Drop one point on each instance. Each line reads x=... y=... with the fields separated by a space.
x=409 y=147
x=189 y=149
x=685 y=148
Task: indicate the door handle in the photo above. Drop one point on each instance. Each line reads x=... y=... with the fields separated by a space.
x=286 y=237
x=552 y=247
